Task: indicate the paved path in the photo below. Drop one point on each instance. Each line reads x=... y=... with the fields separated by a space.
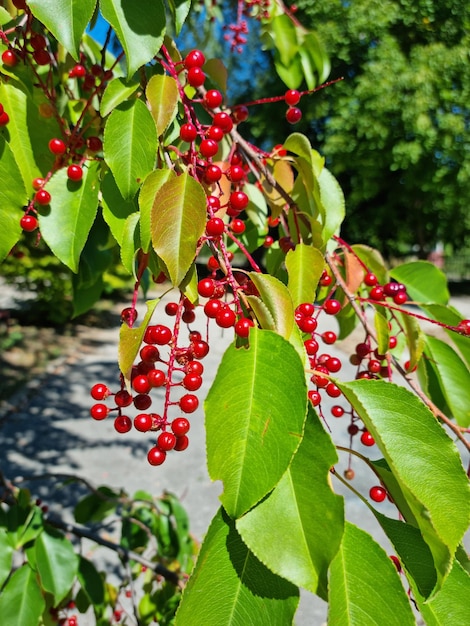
x=50 y=431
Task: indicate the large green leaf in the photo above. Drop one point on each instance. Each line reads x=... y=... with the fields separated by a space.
x=130 y=340
x=66 y=19
x=21 y=600
x=147 y=194
x=139 y=26
x=57 y=564
x=91 y=581
x=255 y=413
x=116 y=210
x=304 y=266
x=424 y=281
x=12 y=198
x=303 y=503
x=130 y=145
x=178 y=220
x=230 y=586
x=423 y=459
x=65 y=225
x=365 y=589
x=453 y=376
x=15 y=102
x=450 y=605
x=162 y=96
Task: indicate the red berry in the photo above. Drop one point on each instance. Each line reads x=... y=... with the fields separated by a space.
x=123 y=398
x=42 y=57
x=158 y=334
x=192 y=382
x=377 y=293
x=38 y=183
x=208 y=148
x=4 y=118
x=242 y=326
x=333 y=364
x=142 y=402
x=240 y=113
x=74 y=172
x=166 y=441
x=305 y=308
x=99 y=391
x=463 y=327
x=143 y=422
x=94 y=144
x=311 y=346
x=194 y=367
x=337 y=411
x=237 y=226
x=156 y=456
x=42 y=197
x=362 y=350
x=332 y=307
x=149 y=354
x=215 y=133
x=392 y=342
x=141 y=384
x=200 y=349
x=156 y=378
x=307 y=324
x=188 y=403
x=181 y=443
x=212 y=307
x=314 y=397
x=377 y=494
x=400 y=298
x=78 y=71
x=215 y=227
x=292 y=97
x=57 y=146
x=235 y=173
x=188 y=132
x=196 y=77
x=293 y=115
x=37 y=41
x=329 y=337
x=332 y=390
x=122 y=424
x=171 y=308
x=223 y=121
x=396 y=562
x=99 y=411
x=180 y=426
x=206 y=287
x=238 y=200
x=225 y=317
x=195 y=58
x=28 y=222
x=212 y=174
x=213 y=98
x=370 y=279
x=367 y=439
x=9 y=58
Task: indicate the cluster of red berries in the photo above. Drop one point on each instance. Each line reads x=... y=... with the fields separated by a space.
x=95 y=79
x=395 y=291
x=292 y=99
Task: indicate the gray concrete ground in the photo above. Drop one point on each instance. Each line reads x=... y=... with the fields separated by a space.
x=47 y=429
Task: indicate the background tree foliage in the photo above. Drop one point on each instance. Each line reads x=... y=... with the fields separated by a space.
x=396 y=130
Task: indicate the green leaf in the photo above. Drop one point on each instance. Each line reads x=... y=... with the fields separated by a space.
x=450 y=316
x=383 y=332
x=65 y=225
x=332 y=199
x=453 y=376
x=277 y=299
x=21 y=600
x=304 y=503
x=255 y=411
x=162 y=96
x=304 y=265
x=284 y=35
x=66 y=19
x=130 y=243
x=117 y=91
x=365 y=589
x=179 y=11
x=96 y=506
x=299 y=145
x=450 y=605
x=57 y=564
x=130 y=340
x=425 y=283
x=414 y=339
x=373 y=260
x=6 y=556
x=116 y=210
x=177 y=222
x=423 y=459
x=240 y=586
x=139 y=26
x=130 y=145
x=148 y=191
x=15 y=102
x=5 y=17
x=12 y=198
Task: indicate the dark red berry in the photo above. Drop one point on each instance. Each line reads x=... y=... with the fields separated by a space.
x=149 y=354
x=142 y=402
x=293 y=115
x=123 y=398
x=240 y=113
x=129 y=315
x=171 y=308
x=4 y=118
x=37 y=41
x=122 y=424
x=42 y=57
x=94 y=144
